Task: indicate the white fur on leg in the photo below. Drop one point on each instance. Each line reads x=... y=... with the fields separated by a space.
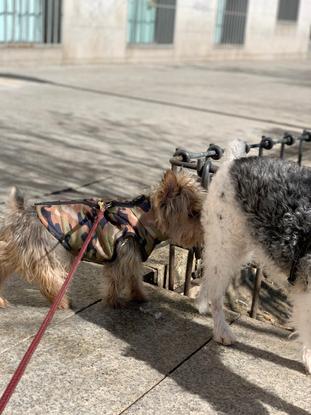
x=226 y=247
x=201 y=302
x=306 y=358
x=302 y=321
x=222 y=331
x=201 y=305
x=213 y=288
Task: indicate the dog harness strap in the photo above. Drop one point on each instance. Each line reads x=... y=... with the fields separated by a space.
x=88 y=202
x=94 y=202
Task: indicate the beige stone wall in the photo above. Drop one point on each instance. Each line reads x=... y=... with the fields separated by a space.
x=194 y=28
x=267 y=36
x=95 y=31
x=30 y=55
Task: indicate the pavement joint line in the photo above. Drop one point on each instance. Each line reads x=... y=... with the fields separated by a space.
x=54 y=324
x=151 y=100
x=88 y=306
x=67 y=189
x=176 y=105
x=167 y=374
x=170 y=372
x=74 y=188
x=16 y=344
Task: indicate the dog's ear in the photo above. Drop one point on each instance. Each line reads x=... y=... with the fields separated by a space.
x=170 y=186
x=16 y=200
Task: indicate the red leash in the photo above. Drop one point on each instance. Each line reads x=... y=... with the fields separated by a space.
x=36 y=340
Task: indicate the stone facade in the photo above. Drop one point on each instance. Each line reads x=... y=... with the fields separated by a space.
x=96 y=31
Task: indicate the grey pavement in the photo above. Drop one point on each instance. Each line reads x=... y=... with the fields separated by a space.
x=110 y=131
x=157 y=358
x=113 y=128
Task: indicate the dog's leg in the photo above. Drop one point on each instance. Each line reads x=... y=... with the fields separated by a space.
x=135 y=272
x=137 y=289
x=218 y=271
x=124 y=275
x=50 y=282
x=6 y=269
x=302 y=321
x=49 y=273
x=110 y=288
x=223 y=257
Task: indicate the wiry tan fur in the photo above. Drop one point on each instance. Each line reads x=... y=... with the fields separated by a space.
x=177 y=204
x=28 y=249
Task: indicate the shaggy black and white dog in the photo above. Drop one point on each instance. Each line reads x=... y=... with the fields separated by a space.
x=258 y=210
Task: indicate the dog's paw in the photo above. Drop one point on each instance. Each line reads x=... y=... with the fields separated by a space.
x=306 y=358
x=201 y=305
x=115 y=302
x=223 y=335
x=139 y=297
x=64 y=304
x=3 y=303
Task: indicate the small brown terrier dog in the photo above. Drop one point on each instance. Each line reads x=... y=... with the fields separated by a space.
x=29 y=249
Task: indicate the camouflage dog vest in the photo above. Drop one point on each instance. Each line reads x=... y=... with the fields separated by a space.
x=71 y=223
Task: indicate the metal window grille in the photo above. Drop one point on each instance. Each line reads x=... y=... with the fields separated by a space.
x=288 y=10
x=30 y=21
x=231 y=22
x=151 y=21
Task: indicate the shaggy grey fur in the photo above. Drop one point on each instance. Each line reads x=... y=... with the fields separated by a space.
x=276 y=198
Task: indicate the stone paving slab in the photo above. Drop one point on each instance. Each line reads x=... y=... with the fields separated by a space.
x=260 y=375
x=206 y=86
x=101 y=360
x=109 y=131
x=28 y=306
x=54 y=137
x=156 y=359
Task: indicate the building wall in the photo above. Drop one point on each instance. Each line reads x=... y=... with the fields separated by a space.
x=30 y=55
x=94 y=30
x=194 y=25
x=267 y=36
x=97 y=31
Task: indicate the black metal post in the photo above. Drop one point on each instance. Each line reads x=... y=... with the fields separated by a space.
x=187 y=285
x=171 y=268
x=255 y=299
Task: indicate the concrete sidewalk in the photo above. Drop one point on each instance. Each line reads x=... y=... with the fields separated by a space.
x=110 y=131
x=152 y=359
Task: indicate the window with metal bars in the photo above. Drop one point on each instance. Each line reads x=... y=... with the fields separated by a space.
x=231 y=22
x=30 y=21
x=151 y=21
x=288 y=10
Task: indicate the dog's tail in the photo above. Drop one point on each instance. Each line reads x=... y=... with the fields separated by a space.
x=15 y=202
x=236 y=149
